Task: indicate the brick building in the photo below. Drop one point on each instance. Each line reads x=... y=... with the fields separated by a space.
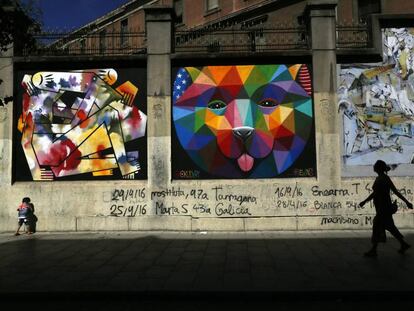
x=122 y=31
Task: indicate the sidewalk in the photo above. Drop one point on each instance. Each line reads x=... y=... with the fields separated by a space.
x=269 y=262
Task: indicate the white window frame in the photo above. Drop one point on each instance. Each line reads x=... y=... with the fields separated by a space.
x=212 y=4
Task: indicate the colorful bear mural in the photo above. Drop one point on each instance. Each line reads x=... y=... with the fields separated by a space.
x=250 y=121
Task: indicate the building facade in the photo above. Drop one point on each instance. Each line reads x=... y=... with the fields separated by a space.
x=211 y=115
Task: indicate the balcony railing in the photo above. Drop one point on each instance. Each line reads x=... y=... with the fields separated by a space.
x=352 y=36
x=286 y=38
x=279 y=38
x=87 y=44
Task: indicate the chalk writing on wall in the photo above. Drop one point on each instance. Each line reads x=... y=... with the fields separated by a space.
x=128 y=202
x=332 y=206
x=347 y=220
x=128 y=210
x=288 y=197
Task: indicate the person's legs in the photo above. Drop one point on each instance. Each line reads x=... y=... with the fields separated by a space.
x=378 y=235
x=19 y=225
x=28 y=226
x=390 y=226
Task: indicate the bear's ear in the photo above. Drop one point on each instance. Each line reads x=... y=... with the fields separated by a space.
x=190 y=73
x=294 y=70
x=303 y=78
x=193 y=72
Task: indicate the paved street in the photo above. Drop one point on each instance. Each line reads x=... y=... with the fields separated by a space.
x=288 y=265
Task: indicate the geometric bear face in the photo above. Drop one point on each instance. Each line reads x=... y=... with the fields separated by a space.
x=243 y=121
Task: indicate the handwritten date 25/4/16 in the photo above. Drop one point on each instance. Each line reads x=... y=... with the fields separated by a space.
x=128 y=211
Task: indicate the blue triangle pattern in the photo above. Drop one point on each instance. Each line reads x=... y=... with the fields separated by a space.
x=185 y=135
x=279 y=71
x=181 y=112
x=305 y=107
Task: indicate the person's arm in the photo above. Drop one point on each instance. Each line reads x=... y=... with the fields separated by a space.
x=370 y=197
x=398 y=194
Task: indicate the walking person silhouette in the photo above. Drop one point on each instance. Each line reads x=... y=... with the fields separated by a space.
x=382 y=201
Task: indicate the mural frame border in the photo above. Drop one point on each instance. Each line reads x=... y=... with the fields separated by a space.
x=378 y=22
x=71 y=63
x=179 y=60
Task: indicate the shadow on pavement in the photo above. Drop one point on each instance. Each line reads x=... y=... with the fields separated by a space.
x=209 y=301
x=149 y=272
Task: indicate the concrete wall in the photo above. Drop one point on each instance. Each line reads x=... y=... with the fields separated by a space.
x=327 y=201
x=6 y=115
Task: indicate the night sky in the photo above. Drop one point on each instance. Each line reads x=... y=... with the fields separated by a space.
x=69 y=14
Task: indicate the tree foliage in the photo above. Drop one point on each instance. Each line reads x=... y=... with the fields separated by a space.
x=18 y=25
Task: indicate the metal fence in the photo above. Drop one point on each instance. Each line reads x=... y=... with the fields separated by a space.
x=280 y=38
x=241 y=40
x=88 y=44
x=352 y=36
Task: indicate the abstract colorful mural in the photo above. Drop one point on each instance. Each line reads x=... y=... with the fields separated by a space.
x=250 y=121
x=81 y=125
x=377 y=104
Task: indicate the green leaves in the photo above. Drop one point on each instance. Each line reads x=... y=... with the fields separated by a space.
x=16 y=26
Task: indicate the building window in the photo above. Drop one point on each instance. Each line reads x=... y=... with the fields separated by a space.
x=124 y=32
x=212 y=4
x=102 y=42
x=178 y=10
x=366 y=8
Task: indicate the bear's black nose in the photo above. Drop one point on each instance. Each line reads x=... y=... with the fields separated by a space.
x=243 y=132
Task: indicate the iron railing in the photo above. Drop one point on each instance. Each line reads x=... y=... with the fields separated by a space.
x=282 y=38
x=88 y=44
x=241 y=40
x=352 y=36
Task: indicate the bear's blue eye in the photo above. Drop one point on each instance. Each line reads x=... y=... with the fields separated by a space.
x=216 y=104
x=268 y=102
